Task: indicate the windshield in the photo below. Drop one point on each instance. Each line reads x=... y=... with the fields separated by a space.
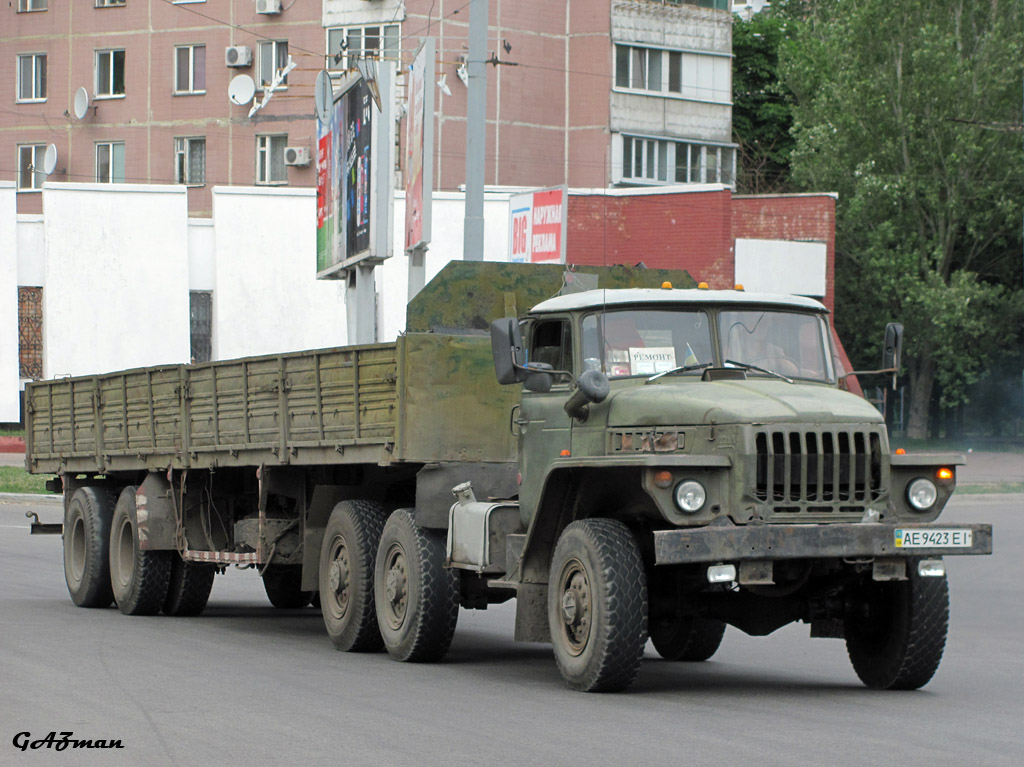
x=789 y=343
x=643 y=342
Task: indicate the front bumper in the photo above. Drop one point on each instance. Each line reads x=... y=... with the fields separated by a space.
x=708 y=545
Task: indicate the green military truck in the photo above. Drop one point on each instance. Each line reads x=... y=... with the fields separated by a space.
x=631 y=461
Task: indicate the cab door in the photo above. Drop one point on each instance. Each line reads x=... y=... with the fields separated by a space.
x=545 y=429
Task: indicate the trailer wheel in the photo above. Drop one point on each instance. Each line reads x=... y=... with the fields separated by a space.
x=597 y=605
x=283 y=584
x=347 y=558
x=189 y=587
x=896 y=630
x=87 y=547
x=139 y=578
x=687 y=639
x=416 y=596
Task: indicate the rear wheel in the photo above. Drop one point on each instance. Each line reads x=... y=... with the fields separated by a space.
x=416 y=596
x=347 y=558
x=687 y=639
x=139 y=578
x=283 y=584
x=597 y=605
x=87 y=547
x=189 y=587
x=896 y=630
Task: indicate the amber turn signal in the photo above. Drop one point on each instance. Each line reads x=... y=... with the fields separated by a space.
x=663 y=479
x=944 y=473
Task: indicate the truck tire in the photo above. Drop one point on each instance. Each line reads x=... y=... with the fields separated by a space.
x=896 y=630
x=138 y=578
x=687 y=639
x=416 y=596
x=597 y=605
x=87 y=547
x=283 y=584
x=189 y=588
x=347 y=558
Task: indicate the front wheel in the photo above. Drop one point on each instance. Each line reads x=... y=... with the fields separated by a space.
x=896 y=630
x=416 y=596
x=597 y=605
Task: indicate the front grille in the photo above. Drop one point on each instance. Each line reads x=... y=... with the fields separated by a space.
x=818 y=471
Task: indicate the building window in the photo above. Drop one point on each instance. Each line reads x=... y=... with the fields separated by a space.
x=190 y=161
x=25 y=6
x=30 y=167
x=109 y=74
x=30 y=333
x=660 y=161
x=695 y=76
x=190 y=69
x=200 y=304
x=110 y=162
x=273 y=55
x=109 y=3
x=270 y=167
x=32 y=77
x=346 y=44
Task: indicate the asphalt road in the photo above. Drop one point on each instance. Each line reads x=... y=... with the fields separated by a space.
x=245 y=684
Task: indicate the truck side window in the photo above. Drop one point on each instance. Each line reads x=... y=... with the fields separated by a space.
x=551 y=342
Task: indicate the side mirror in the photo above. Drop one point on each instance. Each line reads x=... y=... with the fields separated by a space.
x=892 y=351
x=591 y=386
x=508 y=351
x=539 y=378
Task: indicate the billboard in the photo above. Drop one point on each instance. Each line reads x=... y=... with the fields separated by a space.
x=343 y=180
x=537 y=224
x=419 y=147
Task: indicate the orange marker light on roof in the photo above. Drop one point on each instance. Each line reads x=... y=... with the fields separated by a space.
x=565 y=453
x=737 y=286
x=944 y=473
x=702 y=286
x=666 y=285
x=900 y=451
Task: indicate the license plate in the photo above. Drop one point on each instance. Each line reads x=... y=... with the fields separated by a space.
x=932 y=538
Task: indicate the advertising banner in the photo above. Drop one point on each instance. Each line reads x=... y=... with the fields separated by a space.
x=343 y=176
x=537 y=226
x=419 y=145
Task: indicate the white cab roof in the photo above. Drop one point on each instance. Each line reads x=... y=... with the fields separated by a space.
x=596 y=299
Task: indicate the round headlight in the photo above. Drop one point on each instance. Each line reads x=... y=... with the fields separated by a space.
x=690 y=496
x=921 y=494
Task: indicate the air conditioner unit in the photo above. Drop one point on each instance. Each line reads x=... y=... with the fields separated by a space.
x=238 y=56
x=268 y=7
x=296 y=155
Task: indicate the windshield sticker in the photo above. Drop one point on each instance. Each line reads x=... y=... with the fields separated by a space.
x=647 y=361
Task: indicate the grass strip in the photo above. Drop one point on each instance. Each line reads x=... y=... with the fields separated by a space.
x=14 y=479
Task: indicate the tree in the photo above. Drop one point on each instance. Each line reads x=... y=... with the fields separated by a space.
x=762 y=109
x=908 y=109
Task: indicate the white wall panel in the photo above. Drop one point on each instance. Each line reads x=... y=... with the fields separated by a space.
x=9 y=380
x=267 y=299
x=31 y=251
x=116 y=287
x=782 y=266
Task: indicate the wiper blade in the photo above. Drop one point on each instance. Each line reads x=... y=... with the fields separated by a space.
x=766 y=371
x=680 y=369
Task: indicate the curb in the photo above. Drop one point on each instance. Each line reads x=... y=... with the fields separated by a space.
x=41 y=498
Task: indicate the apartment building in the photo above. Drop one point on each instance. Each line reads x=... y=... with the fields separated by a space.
x=155 y=75
x=589 y=93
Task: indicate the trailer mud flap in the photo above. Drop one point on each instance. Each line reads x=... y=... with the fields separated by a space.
x=846 y=541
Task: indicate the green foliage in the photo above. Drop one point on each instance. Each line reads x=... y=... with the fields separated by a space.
x=910 y=110
x=762 y=112
x=14 y=479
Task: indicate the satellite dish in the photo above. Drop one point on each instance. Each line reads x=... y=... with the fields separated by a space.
x=323 y=96
x=81 y=103
x=50 y=159
x=241 y=90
